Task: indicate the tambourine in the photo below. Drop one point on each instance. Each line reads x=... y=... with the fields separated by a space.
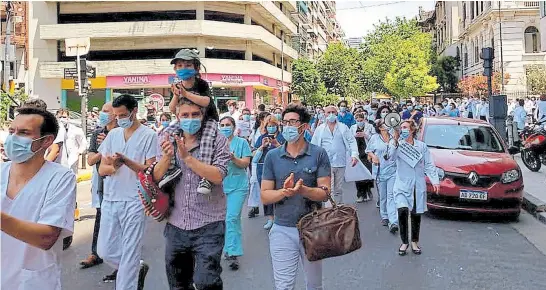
x=155 y=201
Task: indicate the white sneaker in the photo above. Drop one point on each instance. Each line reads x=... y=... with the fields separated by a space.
x=205 y=187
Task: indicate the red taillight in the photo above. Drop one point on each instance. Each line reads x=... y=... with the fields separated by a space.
x=534 y=140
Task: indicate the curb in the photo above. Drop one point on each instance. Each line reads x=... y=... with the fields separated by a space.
x=534 y=206
x=85 y=176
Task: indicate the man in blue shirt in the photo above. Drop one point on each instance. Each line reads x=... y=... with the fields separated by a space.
x=344 y=115
x=406 y=114
x=296 y=177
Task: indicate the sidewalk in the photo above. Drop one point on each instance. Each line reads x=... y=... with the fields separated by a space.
x=534 y=196
x=83 y=174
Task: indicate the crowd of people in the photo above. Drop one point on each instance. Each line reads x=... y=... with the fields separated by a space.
x=286 y=161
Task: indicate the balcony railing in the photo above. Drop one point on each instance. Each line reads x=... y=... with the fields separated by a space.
x=530 y=4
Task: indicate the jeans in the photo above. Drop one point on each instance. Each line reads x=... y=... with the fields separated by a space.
x=193 y=256
x=96 y=229
x=286 y=253
x=233 y=245
x=387 y=206
x=338 y=178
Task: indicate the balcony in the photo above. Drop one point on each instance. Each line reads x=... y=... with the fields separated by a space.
x=55 y=70
x=271 y=12
x=291 y=5
x=149 y=29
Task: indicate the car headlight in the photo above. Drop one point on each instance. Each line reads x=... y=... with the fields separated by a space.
x=441 y=173
x=510 y=176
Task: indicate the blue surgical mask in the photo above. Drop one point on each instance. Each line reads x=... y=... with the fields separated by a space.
x=321 y=116
x=343 y=109
x=271 y=129
x=190 y=126
x=360 y=124
x=383 y=115
x=331 y=118
x=226 y=131
x=246 y=118
x=19 y=149
x=290 y=134
x=165 y=124
x=186 y=73
x=104 y=119
x=404 y=133
x=278 y=116
x=125 y=122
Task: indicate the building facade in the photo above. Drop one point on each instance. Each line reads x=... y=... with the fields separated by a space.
x=512 y=29
x=18 y=49
x=246 y=48
x=543 y=25
x=446 y=28
x=318 y=26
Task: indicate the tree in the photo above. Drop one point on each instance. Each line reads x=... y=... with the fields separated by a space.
x=306 y=79
x=6 y=102
x=445 y=70
x=536 y=79
x=339 y=68
x=477 y=85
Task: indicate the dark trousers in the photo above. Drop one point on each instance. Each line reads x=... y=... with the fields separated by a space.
x=96 y=234
x=415 y=223
x=193 y=256
x=484 y=118
x=363 y=188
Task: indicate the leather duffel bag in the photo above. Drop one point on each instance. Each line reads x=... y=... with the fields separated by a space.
x=330 y=232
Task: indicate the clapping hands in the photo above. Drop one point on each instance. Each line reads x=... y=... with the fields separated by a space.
x=291 y=188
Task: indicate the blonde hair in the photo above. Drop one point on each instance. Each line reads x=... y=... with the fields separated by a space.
x=413 y=126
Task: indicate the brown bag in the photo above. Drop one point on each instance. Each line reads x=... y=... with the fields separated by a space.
x=330 y=232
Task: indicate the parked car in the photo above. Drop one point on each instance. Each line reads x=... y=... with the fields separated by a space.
x=477 y=172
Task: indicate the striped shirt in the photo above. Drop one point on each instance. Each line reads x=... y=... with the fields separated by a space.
x=193 y=210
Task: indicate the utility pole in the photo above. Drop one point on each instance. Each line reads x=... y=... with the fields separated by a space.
x=282 y=69
x=7 y=47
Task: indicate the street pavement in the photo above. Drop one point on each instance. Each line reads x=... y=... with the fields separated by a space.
x=458 y=253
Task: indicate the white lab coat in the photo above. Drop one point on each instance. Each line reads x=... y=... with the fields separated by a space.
x=369 y=130
x=340 y=130
x=410 y=179
x=48 y=198
x=75 y=144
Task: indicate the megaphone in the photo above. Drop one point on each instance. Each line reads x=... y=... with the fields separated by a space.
x=392 y=120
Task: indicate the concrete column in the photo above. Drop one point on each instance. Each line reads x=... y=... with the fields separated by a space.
x=108 y=95
x=201 y=46
x=249 y=97
x=248 y=18
x=200 y=10
x=275 y=59
x=64 y=96
x=248 y=50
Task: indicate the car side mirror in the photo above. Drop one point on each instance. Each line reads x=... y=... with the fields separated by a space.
x=513 y=150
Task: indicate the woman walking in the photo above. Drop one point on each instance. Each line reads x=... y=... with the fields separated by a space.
x=254 y=197
x=236 y=189
x=363 y=131
x=410 y=188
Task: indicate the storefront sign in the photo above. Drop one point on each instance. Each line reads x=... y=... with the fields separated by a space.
x=232 y=79
x=266 y=82
x=157 y=101
x=136 y=80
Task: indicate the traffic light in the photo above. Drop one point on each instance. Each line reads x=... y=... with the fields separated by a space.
x=87 y=72
x=488 y=55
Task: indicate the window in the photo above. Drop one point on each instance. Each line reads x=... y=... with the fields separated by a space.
x=532 y=40
x=542 y=6
x=465 y=56
x=471 y=10
x=462 y=137
x=464 y=14
x=476 y=53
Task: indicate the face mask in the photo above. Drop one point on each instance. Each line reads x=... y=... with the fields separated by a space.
x=104 y=119
x=321 y=116
x=271 y=129
x=360 y=124
x=231 y=109
x=186 y=73
x=190 y=126
x=410 y=108
x=404 y=133
x=125 y=122
x=290 y=134
x=343 y=109
x=165 y=124
x=246 y=118
x=63 y=121
x=383 y=115
x=278 y=116
x=226 y=131
x=18 y=149
x=445 y=104
x=331 y=118
x=252 y=117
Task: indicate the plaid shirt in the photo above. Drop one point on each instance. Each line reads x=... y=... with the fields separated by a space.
x=193 y=210
x=208 y=138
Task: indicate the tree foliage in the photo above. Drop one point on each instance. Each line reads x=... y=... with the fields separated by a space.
x=536 y=79
x=477 y=85
x=340 y=67
x=306 y=80
x=444 y=68
x=6 y=103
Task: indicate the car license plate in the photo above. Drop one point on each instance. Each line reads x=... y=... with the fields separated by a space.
x=473 y=194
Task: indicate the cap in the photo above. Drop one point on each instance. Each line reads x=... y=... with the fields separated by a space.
x=185 y=54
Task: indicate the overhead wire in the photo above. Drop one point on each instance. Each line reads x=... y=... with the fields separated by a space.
x=369 y=6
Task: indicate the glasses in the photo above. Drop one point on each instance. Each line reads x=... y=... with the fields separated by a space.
x=291 y=122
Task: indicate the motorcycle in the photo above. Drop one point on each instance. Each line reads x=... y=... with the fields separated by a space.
x=533 y=146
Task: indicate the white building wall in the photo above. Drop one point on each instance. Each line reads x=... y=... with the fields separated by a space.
x=543 y=25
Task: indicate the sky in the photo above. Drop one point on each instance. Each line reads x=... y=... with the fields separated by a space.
x=357 y=22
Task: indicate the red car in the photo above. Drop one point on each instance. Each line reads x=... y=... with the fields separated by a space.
x=477 y=173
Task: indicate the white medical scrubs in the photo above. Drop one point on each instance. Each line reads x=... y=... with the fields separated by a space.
x=122 y=214
x=48 y=198
x=412 y=179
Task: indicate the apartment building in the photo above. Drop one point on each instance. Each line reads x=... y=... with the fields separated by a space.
x=484 y=23
x=246 y=48
x=18 y=49
x=543 y=25
x=318 y=26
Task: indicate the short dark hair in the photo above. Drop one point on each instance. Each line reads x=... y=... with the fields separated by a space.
x=521 y=102
x=166 y=115
x=378 y=113
x=35 y=103
x=305 y=117
x=125 y=100
x=261 y=107
x=231 y=120
x=246 y=110
x=342 y=102
x=49 y=126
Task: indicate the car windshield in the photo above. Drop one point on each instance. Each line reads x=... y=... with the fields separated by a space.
x=462 y=137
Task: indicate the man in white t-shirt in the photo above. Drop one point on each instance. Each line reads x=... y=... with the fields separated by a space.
x=37 y=202
x=126 y=150
x=232 y=110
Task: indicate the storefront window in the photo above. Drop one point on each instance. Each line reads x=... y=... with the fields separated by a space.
x=96 y=98
x=223 y=94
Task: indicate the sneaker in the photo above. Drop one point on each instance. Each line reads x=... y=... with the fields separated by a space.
x=67 y=242
x=234 y=263
x=110 y=278
x=393 y=228
x=205 y=187
x=360 y=199
x=366 y=199
x=170 y=177
x=92 y=260
x=385 y=222
x=253 y=212
x=268 y=225
x=377 y=204
x=142 y=274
